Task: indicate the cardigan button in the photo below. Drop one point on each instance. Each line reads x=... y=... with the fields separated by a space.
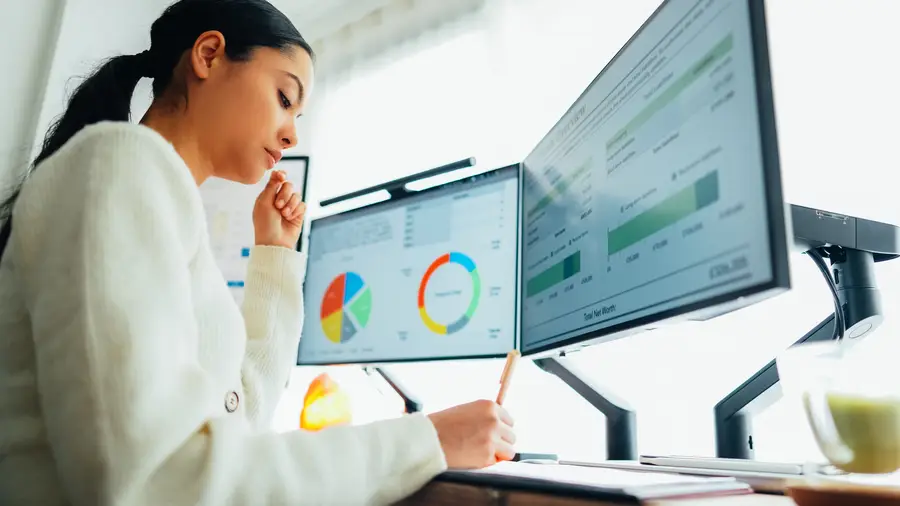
x=231 y=402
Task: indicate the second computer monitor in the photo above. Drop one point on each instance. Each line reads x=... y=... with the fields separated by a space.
x=427 y=277
x=658 y=193
x=229 y=215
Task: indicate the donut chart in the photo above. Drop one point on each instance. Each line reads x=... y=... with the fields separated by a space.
x=346 y=307
x=455 y=326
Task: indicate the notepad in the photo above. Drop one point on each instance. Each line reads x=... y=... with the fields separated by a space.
x=597 y=482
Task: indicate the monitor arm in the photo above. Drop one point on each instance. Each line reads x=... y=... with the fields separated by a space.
x=411 y=404
x=621 y=438
x=853 y=246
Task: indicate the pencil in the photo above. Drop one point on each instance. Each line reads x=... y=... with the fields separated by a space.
x=505 y=377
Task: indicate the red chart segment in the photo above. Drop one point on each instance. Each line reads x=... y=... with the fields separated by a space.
x=334 y=297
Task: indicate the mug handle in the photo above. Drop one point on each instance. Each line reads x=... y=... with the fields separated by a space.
x=824 y=430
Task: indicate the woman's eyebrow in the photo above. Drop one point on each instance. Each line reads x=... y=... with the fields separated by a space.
x=299 y=85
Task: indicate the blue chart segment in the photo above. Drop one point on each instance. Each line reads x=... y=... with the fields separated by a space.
x=352 y=286
x=466 y=262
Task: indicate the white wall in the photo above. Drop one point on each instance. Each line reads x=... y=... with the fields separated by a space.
x=53 y=43
x=835 y=80
x=90 y=32
x=31 y=25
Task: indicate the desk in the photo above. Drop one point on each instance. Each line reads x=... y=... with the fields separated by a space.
x=439 y=493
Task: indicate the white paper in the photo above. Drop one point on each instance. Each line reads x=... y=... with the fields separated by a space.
x=593 y=476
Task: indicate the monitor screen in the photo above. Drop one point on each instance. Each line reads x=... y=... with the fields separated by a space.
x=657 y=195
x=426 y=277
x=229 y=216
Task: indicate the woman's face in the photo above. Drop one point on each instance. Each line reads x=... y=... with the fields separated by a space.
x=247 y=109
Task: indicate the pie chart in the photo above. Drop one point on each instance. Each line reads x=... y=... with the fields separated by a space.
x=346 y=307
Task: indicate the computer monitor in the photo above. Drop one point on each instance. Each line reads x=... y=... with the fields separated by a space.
x=229 y=216
x=430 y=276
x=657 y=195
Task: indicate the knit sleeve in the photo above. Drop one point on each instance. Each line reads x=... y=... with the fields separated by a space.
x=104 y=241
x=273 y=312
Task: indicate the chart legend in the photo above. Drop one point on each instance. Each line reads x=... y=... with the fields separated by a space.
x=346 y=307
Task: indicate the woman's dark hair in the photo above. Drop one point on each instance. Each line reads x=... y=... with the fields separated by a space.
x=106 y=95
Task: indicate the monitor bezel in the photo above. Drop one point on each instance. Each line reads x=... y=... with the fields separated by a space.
x=305 y=160
x=778 y=225
x=513 y=171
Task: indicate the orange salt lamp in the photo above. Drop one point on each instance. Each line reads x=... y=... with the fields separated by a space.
x=325 y=405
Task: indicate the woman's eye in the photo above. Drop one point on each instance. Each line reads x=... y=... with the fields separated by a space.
x=284 y=101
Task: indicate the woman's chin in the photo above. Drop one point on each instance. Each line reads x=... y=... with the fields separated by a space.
x=245 y=177
x=252 y=178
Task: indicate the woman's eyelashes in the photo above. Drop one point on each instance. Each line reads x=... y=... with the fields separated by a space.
x=285 y=102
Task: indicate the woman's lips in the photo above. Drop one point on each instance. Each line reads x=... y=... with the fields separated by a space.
x=274 y=157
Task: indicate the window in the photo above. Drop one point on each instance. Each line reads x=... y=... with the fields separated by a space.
x=407 y=112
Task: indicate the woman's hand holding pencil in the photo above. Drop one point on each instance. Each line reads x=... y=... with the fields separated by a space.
x=478 y=434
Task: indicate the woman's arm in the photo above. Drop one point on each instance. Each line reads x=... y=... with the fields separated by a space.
x=103 y=246
x=273 y=311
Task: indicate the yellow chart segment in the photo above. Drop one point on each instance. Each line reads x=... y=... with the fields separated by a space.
x=432 y=325
x=331 y=324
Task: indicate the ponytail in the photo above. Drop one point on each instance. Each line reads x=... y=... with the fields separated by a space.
x=104 y=96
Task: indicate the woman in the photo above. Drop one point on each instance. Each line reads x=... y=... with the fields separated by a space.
x=127 y=373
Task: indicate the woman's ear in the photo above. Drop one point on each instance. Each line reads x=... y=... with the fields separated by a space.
x=207 y=53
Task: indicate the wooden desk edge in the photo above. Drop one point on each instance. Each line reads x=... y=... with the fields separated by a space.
x=438 y=493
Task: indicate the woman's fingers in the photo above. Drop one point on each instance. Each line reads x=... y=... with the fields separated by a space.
x=284 y=195
x=504 y=451
x=291 y=207
x=504 y=416
x=506 y=434
x=286 y=201
x=298 y=211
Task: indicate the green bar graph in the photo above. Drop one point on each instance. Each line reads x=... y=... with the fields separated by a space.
x=663 y=99
x=560 y=188
x=556 y=273
x=704 y=192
